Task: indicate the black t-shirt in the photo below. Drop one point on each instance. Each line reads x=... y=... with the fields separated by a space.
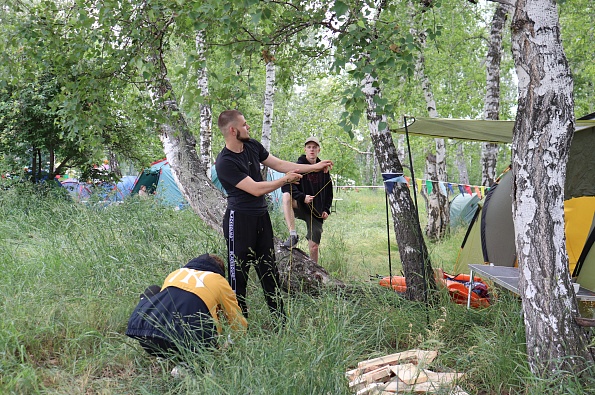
x=234 y=167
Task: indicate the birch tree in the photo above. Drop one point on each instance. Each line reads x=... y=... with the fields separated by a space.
x=206 y=113
x=461 y=163
x=178 y=142
x=412 y=249
x=542 y=134
x=269 y=99
x=489 y=151
x=438 y=208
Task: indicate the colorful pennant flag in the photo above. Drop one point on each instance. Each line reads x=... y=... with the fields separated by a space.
x=429 y=186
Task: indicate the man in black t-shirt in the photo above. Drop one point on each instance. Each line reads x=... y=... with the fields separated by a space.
x=246 y=225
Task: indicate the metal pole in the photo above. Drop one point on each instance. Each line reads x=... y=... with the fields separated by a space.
x=390 y=268
x=423 y=253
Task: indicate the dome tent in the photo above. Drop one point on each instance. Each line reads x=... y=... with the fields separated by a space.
x=490 y=235
x=161 y=184
x=462 y=209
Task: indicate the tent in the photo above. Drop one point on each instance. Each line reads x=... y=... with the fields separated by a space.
x=105 y=191
x=121 y=189
x=490 y=236
x=275 y=198
x=473 y=129
x=160 y=183
x=80 y=191
x=462 y=209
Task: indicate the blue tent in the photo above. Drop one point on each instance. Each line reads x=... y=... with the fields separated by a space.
x=80 y=191
x=122 y=189
x=462 y=209
x=160 y=183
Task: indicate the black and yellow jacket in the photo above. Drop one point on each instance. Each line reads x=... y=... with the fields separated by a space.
x=187 y=308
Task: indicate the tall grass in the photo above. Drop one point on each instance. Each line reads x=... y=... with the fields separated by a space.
x=71 y=275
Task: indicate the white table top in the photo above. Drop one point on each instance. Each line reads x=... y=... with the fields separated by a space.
x=508 y=277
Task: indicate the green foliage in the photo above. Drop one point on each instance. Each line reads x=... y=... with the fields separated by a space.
x=72 y=275
x=577 y=23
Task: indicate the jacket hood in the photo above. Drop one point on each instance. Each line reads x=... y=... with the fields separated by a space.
x=302 y=160
x=206 y=263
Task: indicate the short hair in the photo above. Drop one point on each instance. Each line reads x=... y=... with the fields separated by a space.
x=226 y=118
x=219 y=261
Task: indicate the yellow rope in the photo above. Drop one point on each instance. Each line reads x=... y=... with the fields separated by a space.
x=312 y=209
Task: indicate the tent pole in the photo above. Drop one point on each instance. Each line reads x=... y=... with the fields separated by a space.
x=390 y=268
x=423 y=252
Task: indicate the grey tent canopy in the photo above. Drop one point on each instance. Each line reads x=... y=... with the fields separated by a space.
x=470 y=129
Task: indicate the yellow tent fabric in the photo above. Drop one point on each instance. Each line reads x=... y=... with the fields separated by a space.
x=578 y=216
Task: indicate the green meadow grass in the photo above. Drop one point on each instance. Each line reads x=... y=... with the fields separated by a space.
x=71 y=276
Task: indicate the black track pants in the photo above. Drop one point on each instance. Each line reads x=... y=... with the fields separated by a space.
x=250 y=243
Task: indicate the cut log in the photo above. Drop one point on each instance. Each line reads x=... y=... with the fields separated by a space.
x=412 y=356
x=443 y=378
x=409 y=373
x=397 y=386
x=372 y=389
x=379 y=374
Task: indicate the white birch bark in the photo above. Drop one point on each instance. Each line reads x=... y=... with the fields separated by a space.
x=541 y=141
x=412 y=248
x=401 y=148
x=489 y=151
x=206 y=114
x=438 y=206
x=269 y=101
x=461 y=163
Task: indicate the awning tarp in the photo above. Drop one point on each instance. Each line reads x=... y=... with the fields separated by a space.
x=470 y=129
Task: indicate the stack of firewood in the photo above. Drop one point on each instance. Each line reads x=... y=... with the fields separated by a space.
x=403 y=372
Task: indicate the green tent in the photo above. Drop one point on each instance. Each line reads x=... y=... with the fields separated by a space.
x=462 y=209
x=490 y=235
x=161 y=184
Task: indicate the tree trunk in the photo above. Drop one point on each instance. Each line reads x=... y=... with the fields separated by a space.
x=489 y=156
x=179 y=146
x=412 y=248
x=269 y=101
x=435 y=205
x=206 y=114
x=438 y=216
x=541 y=141
x=489 y=151
x=401 y=148
x=114 y=165
x=299 y=273
x=461 y=163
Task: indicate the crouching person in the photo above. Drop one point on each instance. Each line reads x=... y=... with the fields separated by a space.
x=184 y=312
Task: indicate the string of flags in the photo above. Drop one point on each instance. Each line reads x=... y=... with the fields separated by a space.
x=391 y=178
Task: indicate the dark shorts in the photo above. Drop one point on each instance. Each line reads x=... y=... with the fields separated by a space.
x=314 y=226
